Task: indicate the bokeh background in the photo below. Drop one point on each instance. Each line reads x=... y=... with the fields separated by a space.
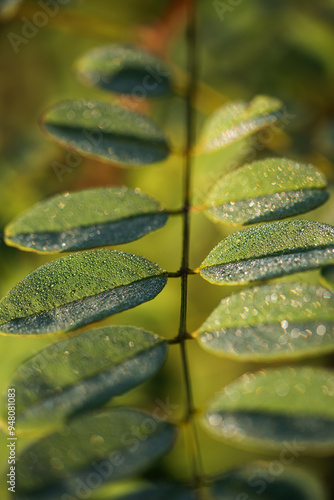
x=282 y=48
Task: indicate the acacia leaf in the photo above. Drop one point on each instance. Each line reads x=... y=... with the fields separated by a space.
x=84 y=372
x=105 y=131
x=279 y=321
x=86 y=219
x=107 y=446
x=270 y=480
x=266 y=190
x=126 y=70
x=78 y=289
x=275 y=407
x=270 y=250
x=236 y=120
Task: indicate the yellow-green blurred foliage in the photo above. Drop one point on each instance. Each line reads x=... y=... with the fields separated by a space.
x=282 y=48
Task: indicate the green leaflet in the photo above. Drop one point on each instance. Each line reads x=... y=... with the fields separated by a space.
x=234 y=121
x=266 y=190
x=110 y=445
x=270 y=250
x=8 y=9
x=272 y=480
x=78 y=289
x=126 y=70
x=84 y=372
x=285 y=320
x=105 y=131
x=277 y=407
x=268 y=480
x=86 y=219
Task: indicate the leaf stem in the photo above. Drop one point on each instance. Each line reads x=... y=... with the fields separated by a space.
x=191 y=35
x=180 y=273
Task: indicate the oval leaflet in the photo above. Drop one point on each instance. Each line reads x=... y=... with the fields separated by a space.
x=271 y=322
x=277 y=481
x=237 y=120
x=268 y=408
x=105 y=131
x=93 y=443
x=268 y=251
x=86 y=219
x=77 y=290
x=84 y=372
x=124 y=69
x=265 y=190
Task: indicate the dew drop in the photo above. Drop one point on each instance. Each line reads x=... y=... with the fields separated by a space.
x=321 y=330
x=295 y=332
x=282 y=388
x=215 y=419
x=284 y=324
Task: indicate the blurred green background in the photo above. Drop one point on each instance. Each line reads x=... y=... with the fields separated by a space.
x=282 y=48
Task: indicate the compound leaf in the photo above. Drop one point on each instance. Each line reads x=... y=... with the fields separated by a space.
x=285 y=320
x=274 y=479
x=266 y=190
x=236 y=120
x=84 y=372
x=267 y=251
x=126 y=70
x=275 y=407
x=86 y=219
x=106 y=132
x=78 y=289
x=107 y=446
